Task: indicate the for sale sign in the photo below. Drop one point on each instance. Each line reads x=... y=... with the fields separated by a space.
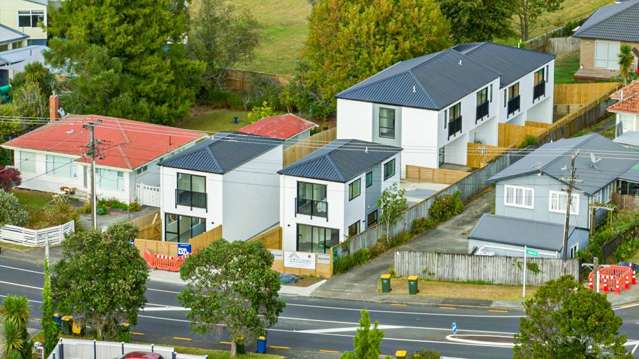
x=302 y=260
x=184 y=249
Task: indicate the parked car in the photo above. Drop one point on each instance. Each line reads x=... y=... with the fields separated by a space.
x=141 y=355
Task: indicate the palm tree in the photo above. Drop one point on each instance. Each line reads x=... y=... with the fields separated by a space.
x=15 y=311
x=13 y=342
x=625 y=61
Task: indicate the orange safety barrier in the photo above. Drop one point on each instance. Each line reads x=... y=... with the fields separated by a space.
x=613 y=278
x=161 y=262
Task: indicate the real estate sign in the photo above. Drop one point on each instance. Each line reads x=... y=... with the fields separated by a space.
x=302 y=260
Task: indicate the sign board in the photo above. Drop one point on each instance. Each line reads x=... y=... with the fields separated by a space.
x=532 y=252
x=277 y=254
x=184 y=249
x=453 y=328
x=323 y=259
x=302 y=260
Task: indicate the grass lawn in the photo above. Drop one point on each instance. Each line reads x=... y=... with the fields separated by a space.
x=565 y=69
x=460 y=290
x=32 y=200
x=213 y=120
x=219 y=354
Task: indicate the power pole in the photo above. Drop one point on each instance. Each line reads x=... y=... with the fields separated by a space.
x=571 y=184
x=92 y=151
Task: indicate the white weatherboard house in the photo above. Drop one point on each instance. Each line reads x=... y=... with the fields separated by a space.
x=229 y=180
x=433 y=106
x=626 y=110
x=332 y=194
x=26 y=16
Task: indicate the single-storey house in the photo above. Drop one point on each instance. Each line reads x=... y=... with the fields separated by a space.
x=602 y=36
x=288 y=127
x=54 y=156
x=229 y=179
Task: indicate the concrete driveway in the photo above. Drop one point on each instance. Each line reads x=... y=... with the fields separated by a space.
x=360 y=283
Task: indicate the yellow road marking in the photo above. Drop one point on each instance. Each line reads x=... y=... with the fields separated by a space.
x=137 y=333
x=328 y=351
x=278 y=347
x=183 y=339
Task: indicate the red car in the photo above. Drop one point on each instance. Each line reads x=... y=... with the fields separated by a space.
x=142 y=355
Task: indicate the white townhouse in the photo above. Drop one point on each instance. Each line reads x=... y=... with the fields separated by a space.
x=229 y=179
x=26 y=16
x=433 y=106
x=332 y=194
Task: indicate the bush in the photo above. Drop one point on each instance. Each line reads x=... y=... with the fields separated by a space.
x=101 y=210
x=529 y=140
x=134 y=206
x=426 y=354
x=113 y=203
x=446 y=207
x=9 y=178
x=624 y=224
x=11 y=211
x=421 y=225
x=59 y=211
x=344 y=263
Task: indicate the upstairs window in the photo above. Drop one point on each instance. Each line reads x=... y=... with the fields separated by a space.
x=389 y=169
x=369 y=179
x=513 y=91
x=482 y=96
x=516 y=196
x=386 y=119
x=540 y=76
x=354 y=189
x=30 y=18
x=558 y=201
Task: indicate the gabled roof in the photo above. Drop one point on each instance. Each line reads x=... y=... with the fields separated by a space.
x=627 y=99
x=341 y=160
x=9 y=35
x=437 y=80
x=221 y=153
x=553 y=159
x=281 y=127
x=618 y=21
x=125 y=143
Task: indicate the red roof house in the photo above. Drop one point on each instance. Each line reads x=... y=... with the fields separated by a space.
x=626 y=111
x=284 y=127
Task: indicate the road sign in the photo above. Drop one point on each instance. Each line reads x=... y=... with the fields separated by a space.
x=453 y=328
x=184 y=249
x=532 y=252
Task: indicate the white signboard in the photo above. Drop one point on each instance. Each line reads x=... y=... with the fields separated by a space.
x=302 y=260
x=323 y=259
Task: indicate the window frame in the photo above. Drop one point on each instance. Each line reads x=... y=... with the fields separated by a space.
x=484 y=92
x=386 y=175
x=379 y=122
x=541 y=79
x=357 y=225
x=368 y=217
x=52 y=167
x=354 y=189
x=524 y=191
x=38 y=15
x=327 y=236
x=192 y=203
x=574 y=206
x=177 y=234
x=608 y=61
x=369 y=179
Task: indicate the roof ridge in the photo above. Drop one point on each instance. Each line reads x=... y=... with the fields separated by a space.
x=480 y=64
x=621 y=8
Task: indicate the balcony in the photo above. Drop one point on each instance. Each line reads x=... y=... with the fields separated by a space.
x=190 y=199
x=311 y=207
x=482 y=111
x=539 y=90
x=513 y=105
x=454 y=127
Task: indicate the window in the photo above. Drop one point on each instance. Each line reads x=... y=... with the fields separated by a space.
x=454 y=120
x=353 y=229
x=369 y=179
x=607 y=54
x=516 y=196
x=482 y=104
x=573 y=251
x=311 y=199
x=354 y=189
x=178 y=228
x=371 y=219
x=454 y=112
x=389 y=169
x=141 y=169
x=59 y=166
x=190 y=191
x=513 y=91
x=30 y=18
x=628 y=122
x=386 y=119
x=482 y=96
x=559 y=200
x=109 y=180
x=316 y=239
x=27 y=162
x=505 y=97
x=540 y=77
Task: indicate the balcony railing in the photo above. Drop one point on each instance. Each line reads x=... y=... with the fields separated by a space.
x=513 y=105
x=454 y=127
x=311 y=207
x=539 y=90
x=482 y=111
x=190 y=198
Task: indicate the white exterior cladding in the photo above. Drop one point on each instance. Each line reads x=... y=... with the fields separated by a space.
x=342 y=212
x=245 y=200
x=421 y=132
x=9 y=16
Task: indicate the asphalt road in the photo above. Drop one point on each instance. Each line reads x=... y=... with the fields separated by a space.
x=310 y=327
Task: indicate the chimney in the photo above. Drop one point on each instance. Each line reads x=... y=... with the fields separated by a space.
x=54 y=105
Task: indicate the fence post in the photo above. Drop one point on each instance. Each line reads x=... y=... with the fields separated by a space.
x=95 y=349
x=122 y=346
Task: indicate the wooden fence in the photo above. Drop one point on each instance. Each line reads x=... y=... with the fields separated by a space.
x=583 y=94
x=479 y=155
x=205 y=239
x=434 y=175
x=149 y=226
x=36 y=237
x=625 y=201
x=271 y=238
x=304 y=147
x=243 y=81
x=514 y=135
x=323 y=264
x=464 y=267
x=197 y=243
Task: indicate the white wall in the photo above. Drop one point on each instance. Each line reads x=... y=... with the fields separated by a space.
x=354 y=120
x=9 y=16
x=540 y=110
x=419 y=138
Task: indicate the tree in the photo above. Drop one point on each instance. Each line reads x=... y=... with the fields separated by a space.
x=231 y=283
x=626 y=58
x=38 y=74
x=101 y=279
x=349 y=41
x=221 y=37
x=9 y=178
x=367 y=341
x=259 y=112
x=566 y=320
x=17 y=344
x=11 y=211
x=50 y=328
x=127 y=58
x=30 y=101
x=391 y=203
x=528 y=11
x=478 y=20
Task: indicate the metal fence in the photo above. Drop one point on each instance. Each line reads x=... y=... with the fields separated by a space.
x=91 y=349
x=464 y=267
x=36 y=237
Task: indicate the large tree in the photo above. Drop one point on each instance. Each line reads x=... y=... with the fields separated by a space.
x=349 y=41
x=101 y=279
x=566 y=320
x=528 y=11
x=478 y=20
x=125 y=58
x=231 y=283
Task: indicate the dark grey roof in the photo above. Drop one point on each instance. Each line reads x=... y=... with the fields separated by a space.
x=619 y=21
x=511 y=62
x=341 y=160
x=520 y=232
x=552 y=159
x=221 y=153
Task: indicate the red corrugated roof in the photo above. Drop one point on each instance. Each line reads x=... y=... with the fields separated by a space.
x=627 y=99
x=280 y=126
x=123 y=143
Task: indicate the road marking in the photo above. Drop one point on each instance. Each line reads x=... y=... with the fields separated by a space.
x=162 y=291
x=166 y=308
x=348 y=329
x=183 y=339
x=631 y=305
x=492 y=344
x=137 y=333
x=328 y=351
x=20 y=285
x=21 y=269
x=447 y=307
x=497 y=310
x=281 y=347
x=167 y=319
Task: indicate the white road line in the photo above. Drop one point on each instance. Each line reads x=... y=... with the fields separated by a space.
x=162 y=291
x=349 y=329
x=21 y=269
x=166 y=319
x=20 y=285
x=493 y=344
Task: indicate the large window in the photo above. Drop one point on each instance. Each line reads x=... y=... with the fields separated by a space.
x=27 y=162
x=539 y=88
x=311 y=199
x=389 y=169
x=316 y=239
x=191 y=190
x=482 y=96
x=179 y=228
x=482 y=103
x=369 y=179
x=513 y=99
x=354 y=189
x=30 y=18
x=353 y=229
x=454 y=119
x=558 y=201
x=607 y=54
x=59 y=166
x=386 y=119
x=109 y=180
x=516 y=196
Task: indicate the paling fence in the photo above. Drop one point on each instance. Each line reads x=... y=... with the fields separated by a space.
x=91 y=349
x=491 y=269
x=36 y=237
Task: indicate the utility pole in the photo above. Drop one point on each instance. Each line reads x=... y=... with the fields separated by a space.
x=92 y=151
x=571 y=184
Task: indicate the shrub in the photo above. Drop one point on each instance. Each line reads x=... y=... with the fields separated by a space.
x=11 y=211
x=59 y=211
x=113 y=203
x=426 y=354
x=102 y=210
x=134 y=206
x=529 y=140
x=445 y=207
x=344 y=263
x=421 y=225
x=9 y=178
